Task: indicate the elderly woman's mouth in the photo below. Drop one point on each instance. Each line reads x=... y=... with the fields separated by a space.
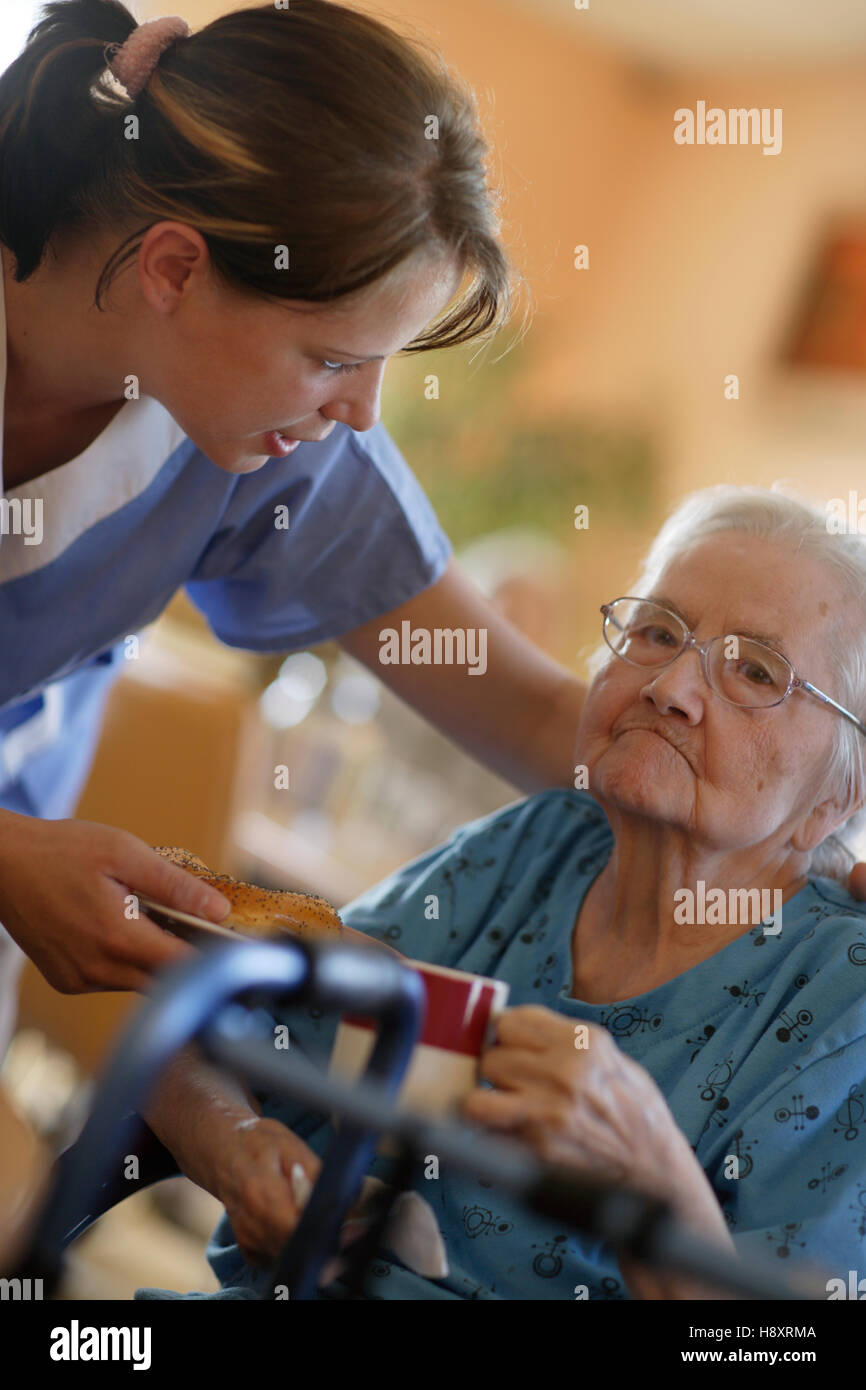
x=645 y=729
x=665 y=737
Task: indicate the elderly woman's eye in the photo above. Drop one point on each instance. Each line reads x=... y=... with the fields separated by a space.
x=756 y=674
x=658 y=635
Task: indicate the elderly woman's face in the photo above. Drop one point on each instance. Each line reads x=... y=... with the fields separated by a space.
x=658 y=742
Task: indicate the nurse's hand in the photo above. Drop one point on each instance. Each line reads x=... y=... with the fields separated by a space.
x=64 y=886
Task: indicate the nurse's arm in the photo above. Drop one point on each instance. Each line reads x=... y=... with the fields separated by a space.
x=518 y=713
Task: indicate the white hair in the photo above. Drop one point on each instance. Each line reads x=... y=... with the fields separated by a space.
x=777 y=515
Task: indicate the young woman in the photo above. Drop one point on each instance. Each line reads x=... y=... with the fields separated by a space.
x=214 y=258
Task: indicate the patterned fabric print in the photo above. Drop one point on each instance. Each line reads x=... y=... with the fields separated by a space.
x=760 y=1051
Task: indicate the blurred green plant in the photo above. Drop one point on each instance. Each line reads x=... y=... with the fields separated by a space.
x=485 y=466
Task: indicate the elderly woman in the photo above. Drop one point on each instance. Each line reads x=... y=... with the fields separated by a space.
x=723 y=744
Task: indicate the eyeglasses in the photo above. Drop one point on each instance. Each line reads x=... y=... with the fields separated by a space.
x=739 y=669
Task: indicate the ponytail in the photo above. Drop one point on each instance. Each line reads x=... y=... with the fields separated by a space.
x=53 y=136
x=314 y=130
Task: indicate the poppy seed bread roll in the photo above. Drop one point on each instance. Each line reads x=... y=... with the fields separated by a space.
x=261 y=912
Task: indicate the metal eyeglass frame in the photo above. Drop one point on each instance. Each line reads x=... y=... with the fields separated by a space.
x=795 y=682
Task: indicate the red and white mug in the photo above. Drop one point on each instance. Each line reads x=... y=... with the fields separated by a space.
x=458 y=1026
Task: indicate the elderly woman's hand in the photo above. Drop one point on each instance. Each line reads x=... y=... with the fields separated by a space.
x=857 y=881
x=254 y=1183
x=568 y=1091
x=575 y=1097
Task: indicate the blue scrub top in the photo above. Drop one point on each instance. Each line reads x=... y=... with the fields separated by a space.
x=142 y=513
x=92 y=552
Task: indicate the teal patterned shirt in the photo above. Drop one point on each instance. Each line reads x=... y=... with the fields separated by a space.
x=760 y=1051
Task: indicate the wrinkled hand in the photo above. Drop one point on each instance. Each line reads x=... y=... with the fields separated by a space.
x=254 y=1183
x=857 y=881
x=590 y=1106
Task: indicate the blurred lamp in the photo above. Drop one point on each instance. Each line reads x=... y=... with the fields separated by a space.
x=288 y=700
x=829 y=331
x=355 y=698
x=303 y=676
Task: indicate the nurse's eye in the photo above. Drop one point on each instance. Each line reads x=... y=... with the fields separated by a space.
x=342 y=366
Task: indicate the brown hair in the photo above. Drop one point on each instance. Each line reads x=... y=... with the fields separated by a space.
x=305 y=128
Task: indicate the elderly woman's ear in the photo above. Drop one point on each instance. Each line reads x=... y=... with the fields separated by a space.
x=823 y=820
x=857 y=877
x=826 y=818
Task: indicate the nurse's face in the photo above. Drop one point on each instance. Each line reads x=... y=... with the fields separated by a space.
x=232 y=368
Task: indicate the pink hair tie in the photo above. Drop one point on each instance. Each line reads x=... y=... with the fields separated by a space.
x=133 y=62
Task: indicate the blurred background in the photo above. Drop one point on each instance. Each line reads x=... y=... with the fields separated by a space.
x=699 y=264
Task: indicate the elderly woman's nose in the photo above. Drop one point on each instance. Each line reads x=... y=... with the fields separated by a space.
x=679 y=688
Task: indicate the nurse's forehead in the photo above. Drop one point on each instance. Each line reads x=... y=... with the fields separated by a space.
x=380 y=319
x=366 y=332
x=342 y=334
x=418 y=285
